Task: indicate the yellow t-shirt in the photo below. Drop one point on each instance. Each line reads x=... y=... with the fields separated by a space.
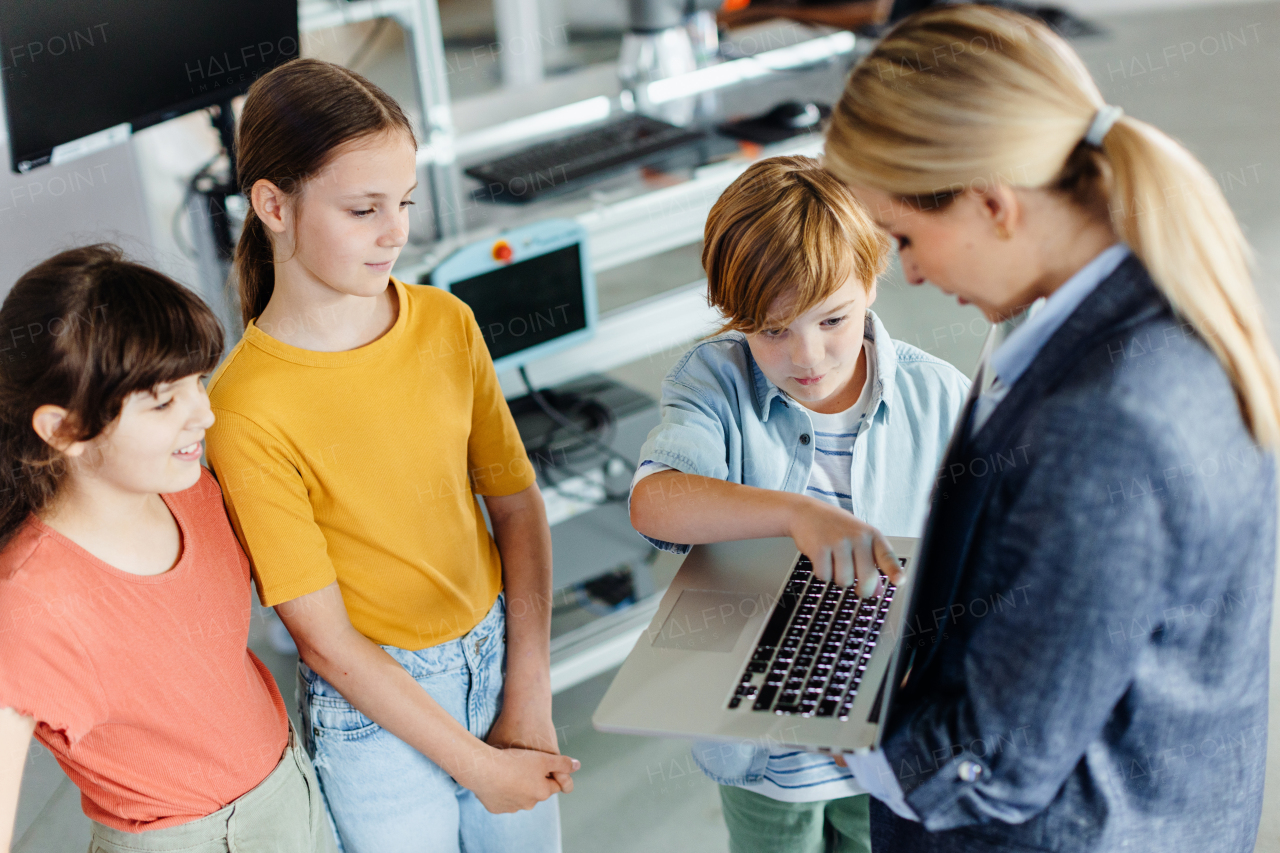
x=363 y=466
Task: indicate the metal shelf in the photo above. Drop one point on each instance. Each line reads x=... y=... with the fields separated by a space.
x=322 y=14
x=420 y=20
x=653 y=223
x=600 y=645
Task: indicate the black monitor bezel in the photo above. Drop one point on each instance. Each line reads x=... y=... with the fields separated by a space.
x=22 y=163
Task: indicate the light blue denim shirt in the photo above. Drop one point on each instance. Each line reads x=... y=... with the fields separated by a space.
x=722 y=418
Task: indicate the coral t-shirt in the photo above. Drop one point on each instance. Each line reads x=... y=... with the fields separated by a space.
x=142 y=686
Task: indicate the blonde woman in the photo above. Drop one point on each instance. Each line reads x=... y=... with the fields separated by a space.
x=1089 y=657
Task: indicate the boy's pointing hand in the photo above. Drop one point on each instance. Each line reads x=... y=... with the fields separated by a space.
x=841 y=547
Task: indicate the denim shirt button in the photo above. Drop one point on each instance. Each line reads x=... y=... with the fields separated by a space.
x=804 y=438
x=969 y=771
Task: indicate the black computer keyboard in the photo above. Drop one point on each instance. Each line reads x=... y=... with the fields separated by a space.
x=553 y=164
x=813 y=653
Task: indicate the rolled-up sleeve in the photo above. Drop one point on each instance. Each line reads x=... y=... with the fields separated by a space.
x=692 y=439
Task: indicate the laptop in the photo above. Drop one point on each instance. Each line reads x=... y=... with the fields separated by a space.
x=748 y=643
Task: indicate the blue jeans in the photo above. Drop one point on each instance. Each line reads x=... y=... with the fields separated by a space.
x=385 y=796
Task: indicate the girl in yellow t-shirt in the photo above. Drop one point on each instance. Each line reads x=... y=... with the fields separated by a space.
x=357 y=420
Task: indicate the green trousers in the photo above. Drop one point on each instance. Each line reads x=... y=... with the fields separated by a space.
x=760 y=824
x=284 y=813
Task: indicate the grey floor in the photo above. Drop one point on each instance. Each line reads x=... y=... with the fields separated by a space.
x=1208 y=75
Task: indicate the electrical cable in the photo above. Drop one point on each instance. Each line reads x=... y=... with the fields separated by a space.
x=569 y=425
x=180 y=214
x=555 y=442
x=551 y=473
x=583 y=435
x=558 y=484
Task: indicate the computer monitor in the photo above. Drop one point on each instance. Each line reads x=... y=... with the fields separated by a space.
x=81 y=74
x=531 y=290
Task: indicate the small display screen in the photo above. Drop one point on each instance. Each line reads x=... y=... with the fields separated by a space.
x=528 y=302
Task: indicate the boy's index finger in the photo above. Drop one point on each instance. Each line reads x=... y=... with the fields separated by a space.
x=888 y=561
x=842 y=569
x=822 y=564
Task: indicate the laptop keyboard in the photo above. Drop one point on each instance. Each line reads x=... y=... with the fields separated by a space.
x=814 y=651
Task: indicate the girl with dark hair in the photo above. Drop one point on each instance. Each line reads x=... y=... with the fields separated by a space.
x=124 y=596
x=358 y=420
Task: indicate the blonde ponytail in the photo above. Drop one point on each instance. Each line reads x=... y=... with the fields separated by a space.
x=960 y=96
x=1172 y=214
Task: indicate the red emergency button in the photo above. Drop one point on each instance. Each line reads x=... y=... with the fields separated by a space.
x=502 y=252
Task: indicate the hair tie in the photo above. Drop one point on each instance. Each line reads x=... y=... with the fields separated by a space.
x=1103 y=120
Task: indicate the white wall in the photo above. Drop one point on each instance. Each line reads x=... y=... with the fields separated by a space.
x=103 y=197
x=95 y=199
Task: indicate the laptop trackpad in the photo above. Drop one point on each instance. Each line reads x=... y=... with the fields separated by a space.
x=706 y=620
